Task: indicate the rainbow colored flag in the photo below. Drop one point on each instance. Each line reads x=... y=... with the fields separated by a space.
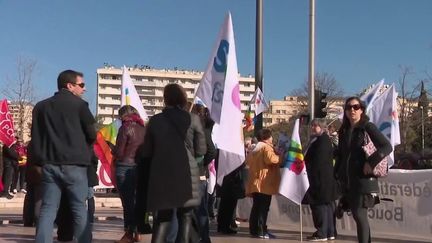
x=249 y=121
x=294 y=182
x=105 y=142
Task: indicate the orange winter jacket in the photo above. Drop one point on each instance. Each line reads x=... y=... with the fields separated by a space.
x=264 y=173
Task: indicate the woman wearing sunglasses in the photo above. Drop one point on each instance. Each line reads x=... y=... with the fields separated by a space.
x=353 y=169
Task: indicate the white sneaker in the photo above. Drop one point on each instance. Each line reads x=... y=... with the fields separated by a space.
x=15 y=191
x=24 y=191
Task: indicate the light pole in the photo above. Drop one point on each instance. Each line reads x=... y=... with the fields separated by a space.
x=258 y=59
x=311 y=58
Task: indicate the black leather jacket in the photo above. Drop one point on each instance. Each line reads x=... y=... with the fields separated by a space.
x=130 y=137
x=350 y=157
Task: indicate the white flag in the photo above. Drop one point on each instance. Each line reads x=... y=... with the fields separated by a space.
x=383 y=114
x=294 y=182
x=219 y=91
x=258 y=101
x=129 y=95
x=212 y=85
x=370 y=96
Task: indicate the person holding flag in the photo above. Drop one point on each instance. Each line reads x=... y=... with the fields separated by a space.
x=129 y=138
x=202 y=210
x=353 y=169
x=263 y=182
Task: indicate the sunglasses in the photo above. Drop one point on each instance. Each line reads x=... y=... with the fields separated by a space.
x=82 y=85
x=356 y=107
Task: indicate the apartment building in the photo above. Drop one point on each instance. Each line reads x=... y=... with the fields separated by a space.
x=149 y=83
x=26 y=115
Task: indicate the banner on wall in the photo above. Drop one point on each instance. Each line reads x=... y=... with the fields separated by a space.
x=410 y=213
x=104 y=179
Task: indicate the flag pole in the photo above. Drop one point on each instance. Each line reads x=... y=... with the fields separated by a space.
x=193 y=100
x=301 y=223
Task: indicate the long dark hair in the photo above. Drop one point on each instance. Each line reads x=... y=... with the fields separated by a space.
x=175 y=95
x=345 y=121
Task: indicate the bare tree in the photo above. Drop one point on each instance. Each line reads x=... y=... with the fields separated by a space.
x=407 y=103
x=325 y=82
x=21 y=92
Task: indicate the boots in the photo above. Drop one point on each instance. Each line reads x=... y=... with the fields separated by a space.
x=127 y=238
x=137 y=237
x=187 y=231
x=160 y=231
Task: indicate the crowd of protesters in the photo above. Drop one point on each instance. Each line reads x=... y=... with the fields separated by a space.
x=175 y=150
x=13 y=168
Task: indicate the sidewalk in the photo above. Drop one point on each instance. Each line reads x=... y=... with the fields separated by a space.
x=109 y=227
x=101 y=200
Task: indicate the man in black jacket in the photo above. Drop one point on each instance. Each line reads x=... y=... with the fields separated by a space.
x=62 y=130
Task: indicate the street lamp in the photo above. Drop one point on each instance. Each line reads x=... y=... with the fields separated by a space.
x=259 y=58
x=312 y=59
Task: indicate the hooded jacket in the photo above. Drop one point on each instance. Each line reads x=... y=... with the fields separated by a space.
x=264 y=172
x=129 y=138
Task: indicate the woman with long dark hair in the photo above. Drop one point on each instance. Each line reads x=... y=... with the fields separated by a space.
x=174 y=141
x=353 y=169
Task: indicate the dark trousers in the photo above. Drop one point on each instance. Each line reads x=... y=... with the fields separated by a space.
x=322 y=215
x=202 y=216
x=187 y=232
x=211 y=204
x=91 y=207
x=226 y=209
x=63 y=219
x=32 y=205
x=126 y=182
x=360 y=217
x=259 y=212
x=8 y=174
x=19 y=176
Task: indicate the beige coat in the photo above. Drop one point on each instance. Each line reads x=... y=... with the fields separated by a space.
x=264 y=173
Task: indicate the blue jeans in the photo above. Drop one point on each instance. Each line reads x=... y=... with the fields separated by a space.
x=70 y=179
x=126 y=183
x=202 y=215
x=173 y=229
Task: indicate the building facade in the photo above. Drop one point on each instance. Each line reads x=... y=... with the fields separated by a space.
x=293 y=106
x=22 y=119
x=149 y=84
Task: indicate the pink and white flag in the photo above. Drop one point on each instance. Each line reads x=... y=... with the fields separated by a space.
x=219 y=90
x=212 y=177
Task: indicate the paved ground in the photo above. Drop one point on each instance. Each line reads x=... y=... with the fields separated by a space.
x=109 y=227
